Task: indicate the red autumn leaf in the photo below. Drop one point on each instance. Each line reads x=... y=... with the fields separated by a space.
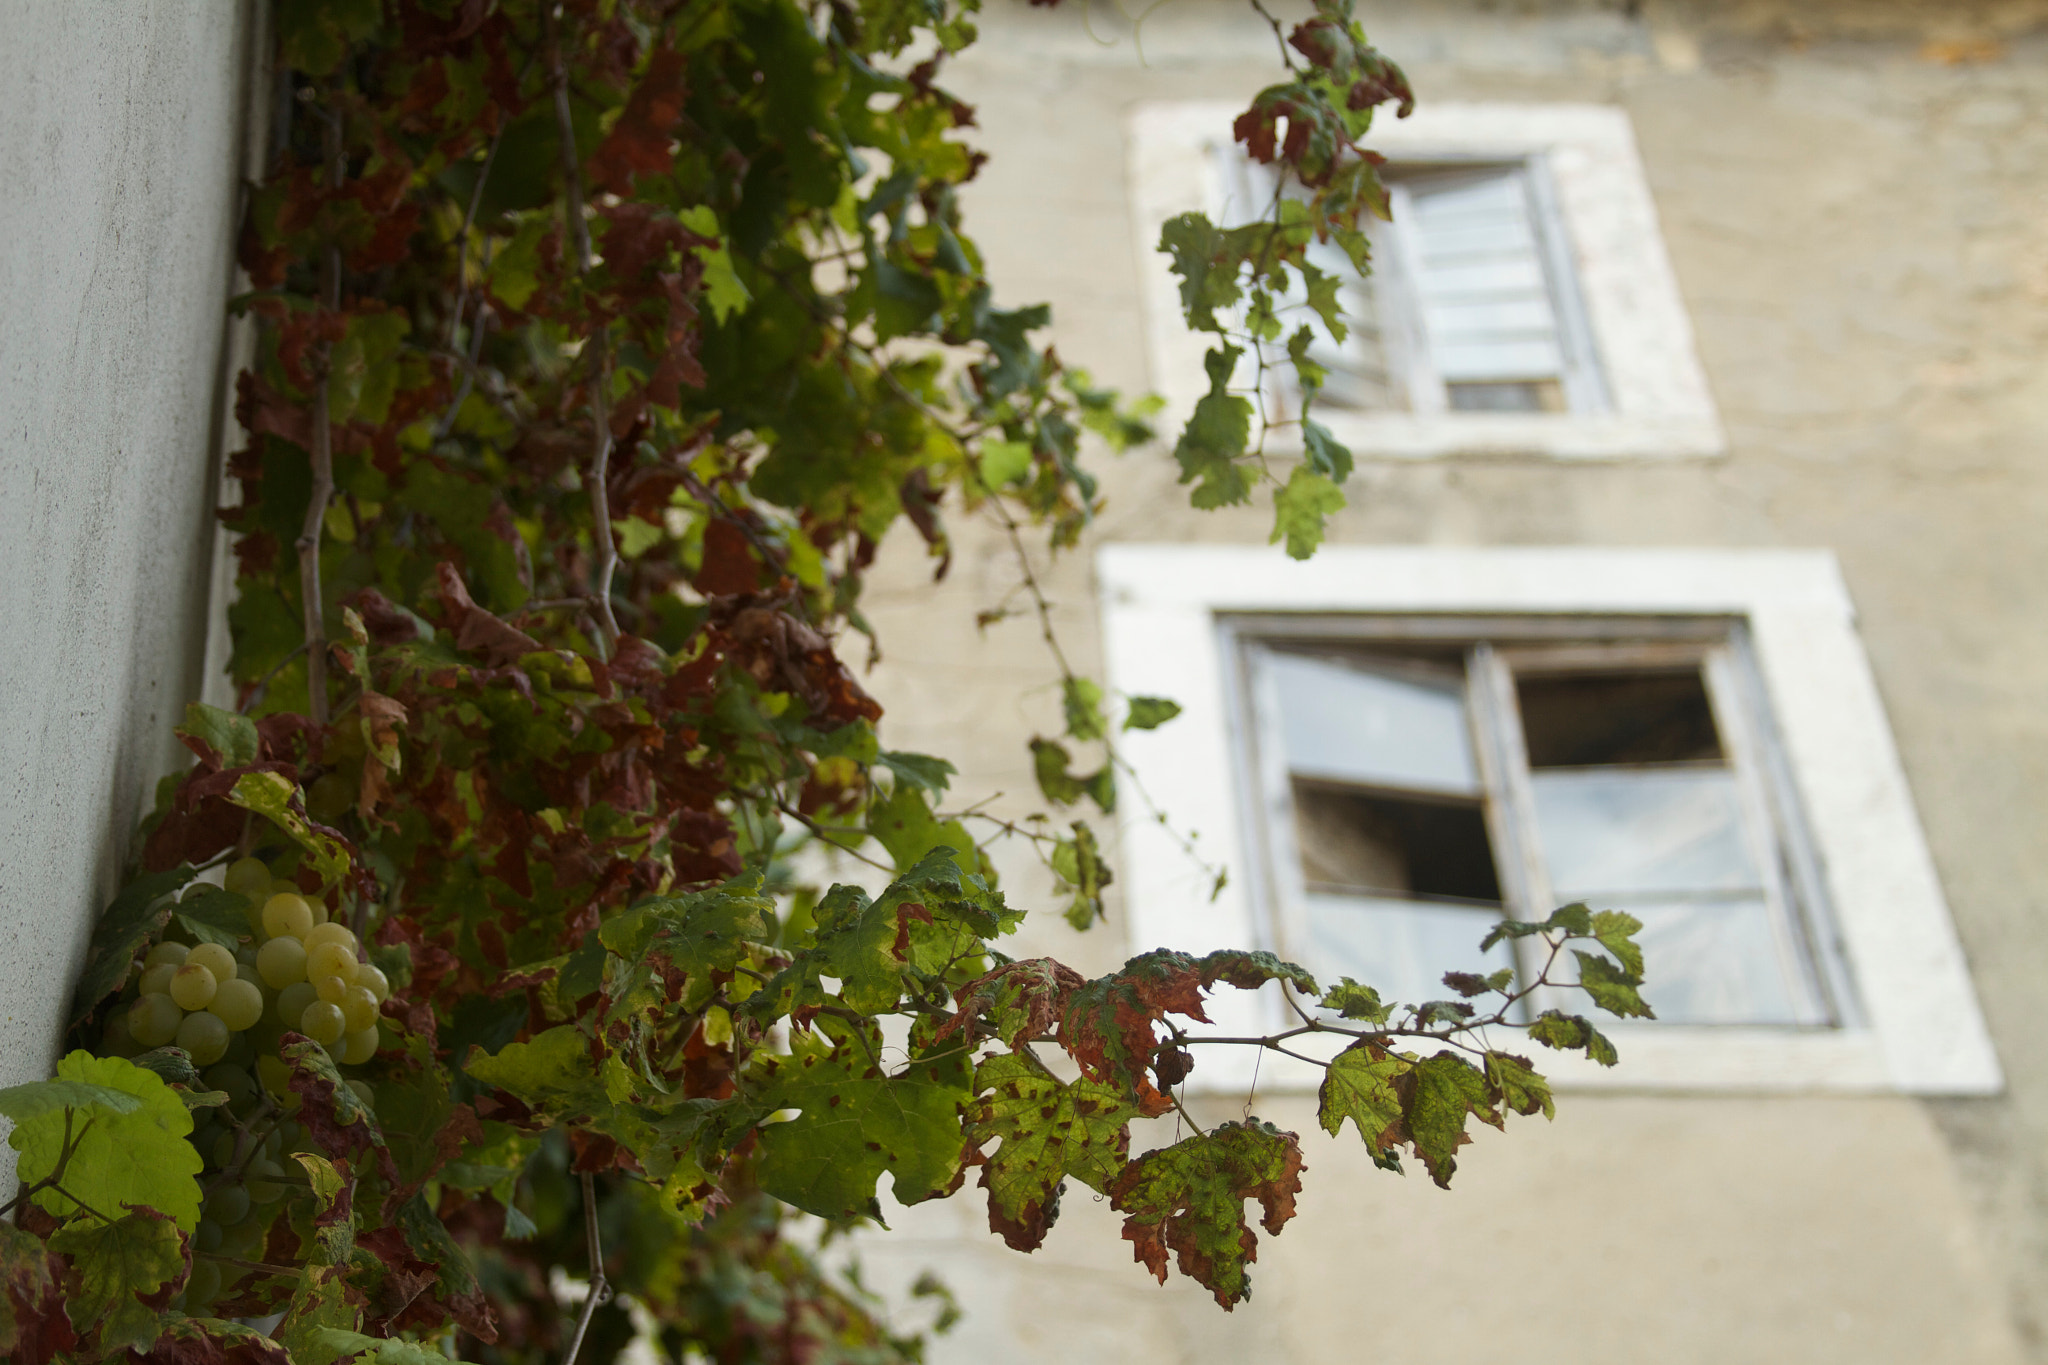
x=641 y=142
x=476 y=630
x=729 y=566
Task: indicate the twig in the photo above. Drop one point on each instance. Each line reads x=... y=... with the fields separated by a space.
x=312 y=604
x=260 y=1267
x=600 y=363
x=600 y=1288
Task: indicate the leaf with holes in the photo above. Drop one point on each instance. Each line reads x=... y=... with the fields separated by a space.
x=1188 y=1200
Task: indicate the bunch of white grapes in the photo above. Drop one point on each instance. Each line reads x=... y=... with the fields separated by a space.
x=303 y=971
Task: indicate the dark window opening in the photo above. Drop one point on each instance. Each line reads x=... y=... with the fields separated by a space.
x=1617 y=719
x=1354 y=842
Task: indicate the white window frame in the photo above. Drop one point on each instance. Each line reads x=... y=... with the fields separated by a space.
x=1918 y=1029
x=1584 y=157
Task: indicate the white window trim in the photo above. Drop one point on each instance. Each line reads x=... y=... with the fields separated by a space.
x=1920 y=1029
x=1660 y=406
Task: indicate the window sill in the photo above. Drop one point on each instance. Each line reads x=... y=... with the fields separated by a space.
x=1405 y=436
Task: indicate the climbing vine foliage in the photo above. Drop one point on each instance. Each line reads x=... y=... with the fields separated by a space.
x=600 y=344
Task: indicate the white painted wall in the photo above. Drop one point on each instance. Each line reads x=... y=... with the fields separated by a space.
x=120 y=144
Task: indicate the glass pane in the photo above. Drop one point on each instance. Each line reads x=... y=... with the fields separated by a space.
x=1361 y=842
x=1343 y=723
x=1399 y=948
x=1713 y=962
x=1617 y=832
x=1601 y=720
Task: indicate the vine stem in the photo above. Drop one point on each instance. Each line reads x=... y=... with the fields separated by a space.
x=600 y=1288
x=308 y=545
x=600 y=362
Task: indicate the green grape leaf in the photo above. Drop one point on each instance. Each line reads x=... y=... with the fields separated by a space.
x=1437 y=1095
x=226 y=738
x=920 y=770
x=1359 y=1085
x=1299 y=509
x=1149 y=713
x=1612 y=988
x=38 y=1098
x=138 y=1158
x=1572 y=1032
x=723 y=289
x=319 y=1303
x=1213 y=442
x=905 y=825
x=1081 y=701
x=1507 y=929
x=1248 y=970
x=338 y=1345
x=273 y=797
x=1326 y=454
x=1353 y=1001
x=856 y=1122
x=1081 y=868
x=335 y=1118
x=130 y=921
x=553 y=1072
x=1188 y=1199
x=172 y=1063
x=1050 y=762
x=1048 y=1131
x=116 y=1265
x=1517 y=1085
x=333 y=1217
x=215 y=915
x=1616 y=933
x=1004 y=462
x=1574 y=919
x=866 y=944
x=687 y=939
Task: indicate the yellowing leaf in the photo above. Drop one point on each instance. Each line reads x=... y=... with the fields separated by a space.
x=1049 y=1131
x=116 y=1264
x=139 y=1157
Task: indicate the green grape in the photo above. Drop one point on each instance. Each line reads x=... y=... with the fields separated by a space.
x=173 y=953
x=358 y=1046
x=323 y=1022
x=246 y=971
x=248 y=877
x=193 y=986
x=320 y=915
x=282 y=961
x=360 y=1008
x=332 y=989
x=228 y=1205
x=328 y=958
x=334 y=932
x=273 y=1142
x=214 y=958
x=223 y=1154
x=374 y=980
x=237 y=1004
x=292 y=1002
x=203 y=1285
x=204 y=1036
x=364 y=1093
x=153 y=1019
x=287 y=914
x=261 y=1178
x=208 y=1236
x=157 y=980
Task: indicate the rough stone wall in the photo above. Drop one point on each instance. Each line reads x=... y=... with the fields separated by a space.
x=1852 y=195
x=121 y=131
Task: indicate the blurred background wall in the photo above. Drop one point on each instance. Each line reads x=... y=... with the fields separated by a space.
x=1853 y=199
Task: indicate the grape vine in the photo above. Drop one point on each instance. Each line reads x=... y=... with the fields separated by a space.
x=601 y=344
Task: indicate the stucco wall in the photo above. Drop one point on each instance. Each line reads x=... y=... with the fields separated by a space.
x=120 y=137
x=1852 y=196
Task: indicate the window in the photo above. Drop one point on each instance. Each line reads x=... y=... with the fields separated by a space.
x=1412 y=780
x=1390 y=747
x=1520 y=301
x=1472 y=305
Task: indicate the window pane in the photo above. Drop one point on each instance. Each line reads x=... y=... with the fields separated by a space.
x=1399 y=948
x=1614 y=832
x=1480 y=279
x=1605 y=719
x=1347 y=724
x=1712 y=962
x=1359 y=842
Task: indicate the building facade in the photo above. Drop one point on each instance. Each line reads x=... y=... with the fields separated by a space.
x=1698 y=415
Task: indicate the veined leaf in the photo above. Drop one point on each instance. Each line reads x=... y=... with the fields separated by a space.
x=137 y=1157
x=1049 y=1130
x=1188 y=1199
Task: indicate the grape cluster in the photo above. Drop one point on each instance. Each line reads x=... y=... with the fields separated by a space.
x=300 y=970
x=295 y=971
